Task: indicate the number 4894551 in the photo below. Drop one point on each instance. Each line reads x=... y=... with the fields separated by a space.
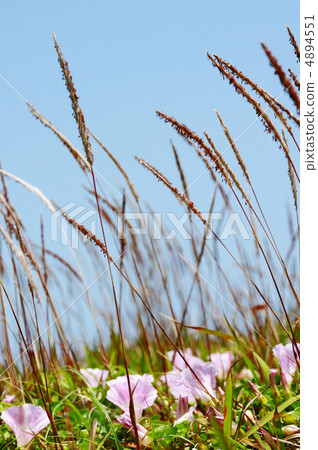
x=309 y=39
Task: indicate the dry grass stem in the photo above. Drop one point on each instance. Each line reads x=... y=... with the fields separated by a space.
x=118 y=165
x=32 y=189
x=22 y=260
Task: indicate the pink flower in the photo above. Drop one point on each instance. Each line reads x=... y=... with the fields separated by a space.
x=25 y=421
x=170 y=378
x=9 y=398
x=254 y=388
x=144 y=394
x=244 y=374
x=219 y=417
x=221 y=392
x=178 y=362
x=186 y=384
x=95 y=377
x=183 y=406
x=125 y=420
x=183 y=412
x=223 y=362
x=286 y=358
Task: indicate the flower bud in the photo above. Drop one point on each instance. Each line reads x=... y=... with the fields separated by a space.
x=254 y=388
x=285 y=385
x=290 y=429
x=221 y=392
x=257 y=392
x=249 y=416
x=183 y=407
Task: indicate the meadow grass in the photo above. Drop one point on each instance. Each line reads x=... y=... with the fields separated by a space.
x=193 y=397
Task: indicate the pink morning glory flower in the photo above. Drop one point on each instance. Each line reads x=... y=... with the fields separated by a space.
x=178 y=362
x=186 y=384
x=144 y=394
x=25 y=421
x=9 y=398
x=223 y=363
x=170 y=378
x=125 y=420
x=95 y=377
x=286 y=358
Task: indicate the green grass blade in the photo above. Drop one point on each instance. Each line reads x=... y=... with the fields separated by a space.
x=221 y=439
x=100 y=408
x=264 y=367
x=227 y=426
x=250 y=364
x=270 y=416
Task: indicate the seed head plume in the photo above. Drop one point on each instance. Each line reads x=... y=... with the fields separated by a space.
x=286 y=82
x=74 y=152
x=273 y=103
x=294 y=43
x=31 y=188
x=88 y=234
x=11 y=214
x=191 y=136
x=295 y=79
x=78 y=114
x=292 y=179
x=227 y=173
x=234 y=148
x=181 y=197
x=209 y=167
x=261 y=113
x=181 y=172
x=183 y=130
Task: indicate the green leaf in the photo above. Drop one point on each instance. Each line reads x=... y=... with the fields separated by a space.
x=247 y=360
x=220 y=334
x=264 y=367
x=100 y=408
x=221 y=439
x=270 y=416
x=227 y=426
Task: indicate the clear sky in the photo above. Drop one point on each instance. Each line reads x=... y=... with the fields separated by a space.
x=129 y=59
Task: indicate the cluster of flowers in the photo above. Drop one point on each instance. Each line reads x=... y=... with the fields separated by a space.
x=190 y=379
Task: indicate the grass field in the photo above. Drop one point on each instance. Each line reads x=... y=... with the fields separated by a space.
x=220 y=381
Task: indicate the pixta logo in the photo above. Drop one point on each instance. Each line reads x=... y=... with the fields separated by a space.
x=63 y=232
x=143 y=223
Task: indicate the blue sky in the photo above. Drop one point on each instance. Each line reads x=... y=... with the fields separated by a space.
x=129 y=59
